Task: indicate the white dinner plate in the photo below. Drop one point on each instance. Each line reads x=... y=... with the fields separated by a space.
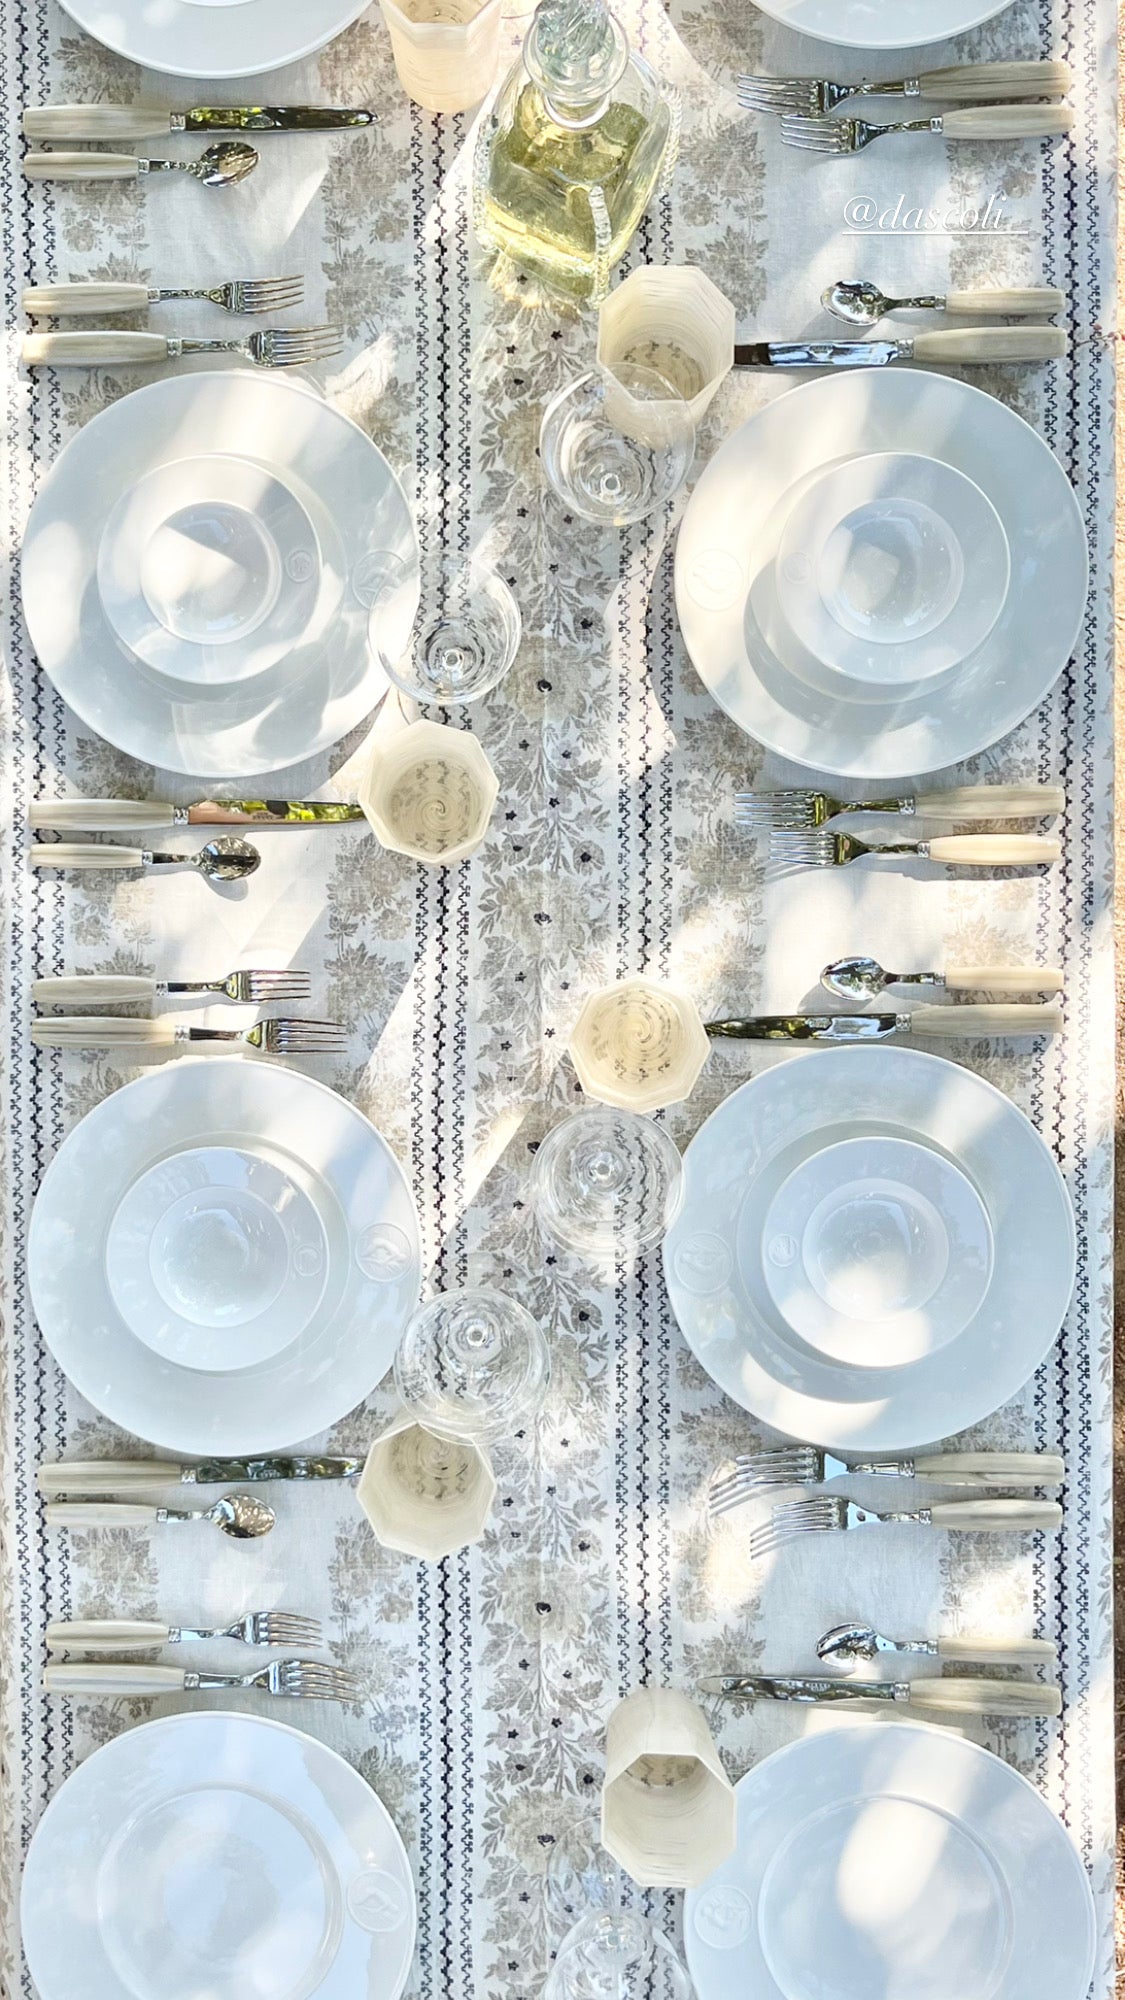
x=322 y=688
x=727 y=603
x=214 y=38
x=217 y=1857
x=361 y=1196
x=871 y=24
x=713 y=1253
x=892 y=1861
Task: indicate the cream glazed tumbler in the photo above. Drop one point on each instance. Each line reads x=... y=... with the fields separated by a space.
x=446 y=51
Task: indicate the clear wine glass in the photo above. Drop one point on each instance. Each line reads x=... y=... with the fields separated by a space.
x=616 y=446
x=464 y=638
x=609 y=1949
x=473 y=1365
x=608 y=1183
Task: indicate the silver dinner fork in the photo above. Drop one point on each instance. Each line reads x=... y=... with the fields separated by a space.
x=94 y=296
x=251 y=987
x=790 y=848
x=269 y=347
x=741 y=1478
x=983 y=121
x=303 y=1680
x=129 y=1635
x=831 y=1513
x=961 y=82
x=792 y=806
x=275 y=1037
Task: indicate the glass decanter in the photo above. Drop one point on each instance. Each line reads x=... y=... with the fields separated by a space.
x=577 y=141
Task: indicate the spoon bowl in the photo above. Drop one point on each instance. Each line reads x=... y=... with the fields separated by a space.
x=862 y=1642
x=224 y=164
x=859 y=303
x=226 y=860
x=242 y=1516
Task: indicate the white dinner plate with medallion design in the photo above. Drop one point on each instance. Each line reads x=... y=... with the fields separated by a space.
x=214 y=38
x=871 y=24
x=753 y=664
x=328 y=1157
x=713 y=1255
x=217 y=1857
x=306 y=699
x=892 y=1861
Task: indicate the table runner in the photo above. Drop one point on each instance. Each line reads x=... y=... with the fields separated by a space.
x=611 y=852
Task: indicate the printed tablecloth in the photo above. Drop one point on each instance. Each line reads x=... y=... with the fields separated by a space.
x=612 y=851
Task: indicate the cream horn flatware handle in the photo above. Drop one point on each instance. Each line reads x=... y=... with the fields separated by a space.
x=1007 y=1651
x=101 y=815
x=101 y=1031
x=986 y=1018
x=108 y=989
x=105 y=1475
x=998 y=1516
x=991 y=1468
x=81 y=166
x=958 y=1695
x=91 y=350
x=995 y=850
x=991 y=802
x=952 y=345
x=997 y=80
x=56 y=301
x=1003 y=978
x=104 y=1677
x=1008 y=121
x=1016 y=300
x=104 y=1635
x=99 y=1514
x=95 y=121
x=83 y=854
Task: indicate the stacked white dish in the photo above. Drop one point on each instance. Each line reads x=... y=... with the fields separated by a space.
x=198 y=571
x=222 y=1257
x=879 y=575
x=875 y=1248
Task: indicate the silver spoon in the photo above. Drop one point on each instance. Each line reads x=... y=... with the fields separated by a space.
x=864 y=978
x=862 y=1642
x=221 y=165
x=861 y=303
x=242 y=1516
x=225 y=860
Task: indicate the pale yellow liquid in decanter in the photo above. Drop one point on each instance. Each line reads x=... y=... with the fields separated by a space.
x=540 y=177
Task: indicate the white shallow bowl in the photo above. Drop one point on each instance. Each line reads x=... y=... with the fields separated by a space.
x=214 y=38
x=374 y=1256
x=870 y=24
x=221 y=1855
x=217 y=1257
x=210 y=570
x=746 y=653
x=713 y=1252
x=877 y=1251
x=892 y=568
x=900 y=1861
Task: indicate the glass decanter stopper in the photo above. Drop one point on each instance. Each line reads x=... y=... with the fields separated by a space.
x=578 y=138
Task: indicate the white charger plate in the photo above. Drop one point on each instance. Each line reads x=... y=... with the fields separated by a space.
x=214 y=38
x=323 y=688
x=727 y=543
x=374 y=1256
x=892 y=1861
x=217 y=1854
x=713 y=1252
x=870 y=24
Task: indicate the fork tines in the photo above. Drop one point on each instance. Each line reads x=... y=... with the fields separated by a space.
x=312 y=1680
x=791 y=847
x=258 y=295
x=752 y=1472
x=819 y=135
x=280 y=1628
x=290 y=346
x=785 y=808
x=819 y=1514
x=258 y=987
x=783 y=93
x=284 y=1036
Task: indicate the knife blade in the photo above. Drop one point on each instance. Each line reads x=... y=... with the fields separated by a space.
x=93 y=1478
x=119 y=815
x=142 y=121
x=955 y=1695
x=964 y=1021
x=810 y=1027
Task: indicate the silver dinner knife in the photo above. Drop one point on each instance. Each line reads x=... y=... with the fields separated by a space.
x=950 y=347
x=946 y=1023
x=91 y=1478
x=141 y=121
x=955 y=1695
x=120 y=815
